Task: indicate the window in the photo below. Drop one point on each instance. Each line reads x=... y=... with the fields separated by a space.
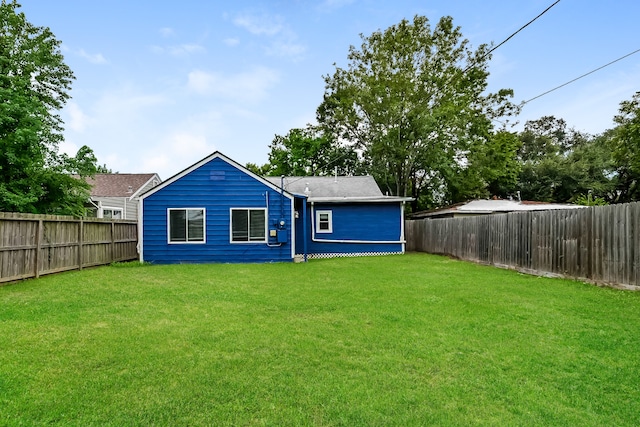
x=186 y=225
x=112 y=213
x=248 y=225
x=324 y=222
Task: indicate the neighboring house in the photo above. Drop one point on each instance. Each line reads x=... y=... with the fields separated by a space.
x=489 y=207
x=218 y=211
x=115 y=195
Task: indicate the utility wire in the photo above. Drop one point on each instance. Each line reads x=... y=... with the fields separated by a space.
x=578 y=78
x=466 y=69
x=512 y=35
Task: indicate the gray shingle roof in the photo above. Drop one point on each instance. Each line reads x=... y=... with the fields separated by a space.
x=117 y=184
x=330 y=186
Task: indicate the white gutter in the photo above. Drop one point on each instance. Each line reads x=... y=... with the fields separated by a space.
x=314 y=239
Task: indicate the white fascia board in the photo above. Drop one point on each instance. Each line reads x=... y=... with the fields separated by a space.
x=155 y=176
x=383 y=199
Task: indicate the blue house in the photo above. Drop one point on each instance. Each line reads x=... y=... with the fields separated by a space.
x=218 y=211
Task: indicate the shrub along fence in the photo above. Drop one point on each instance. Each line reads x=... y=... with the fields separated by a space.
x=33 y=245
x=598 y=244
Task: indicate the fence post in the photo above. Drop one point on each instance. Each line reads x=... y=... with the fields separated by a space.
x=38 y=244
x=80 y=241
x=113 y=241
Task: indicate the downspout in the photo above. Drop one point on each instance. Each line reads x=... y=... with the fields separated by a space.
x=304 y=228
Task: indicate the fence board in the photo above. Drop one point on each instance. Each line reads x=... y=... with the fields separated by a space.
x=599 y=244
x=32 y=245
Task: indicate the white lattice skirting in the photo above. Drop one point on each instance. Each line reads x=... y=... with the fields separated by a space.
x=350 y=254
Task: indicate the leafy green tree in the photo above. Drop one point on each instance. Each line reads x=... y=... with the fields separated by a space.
x=544 y=144
x=625 y=145
x=414 y=101
x=103 y=169
x=263 y=170
x=588 y=170
x=589 y=200
x=309 y=151
x=34 y=86
x=560 y=164
x=493 y=166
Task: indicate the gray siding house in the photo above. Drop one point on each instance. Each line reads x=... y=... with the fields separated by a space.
x=115 y=195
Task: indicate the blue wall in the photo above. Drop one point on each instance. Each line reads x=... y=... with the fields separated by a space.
x=216 y=186
x=355 y=221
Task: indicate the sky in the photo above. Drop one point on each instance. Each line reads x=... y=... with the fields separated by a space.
x=162 y=84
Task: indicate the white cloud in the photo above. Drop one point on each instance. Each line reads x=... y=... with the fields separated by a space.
x=68 y=148
x=231 y=42
x=115 y=162
x=126 y=104
x=95 y=58
x=167 y=32
x=250 y=86
x=78 y=120
x=264 y=24
x=185 y=145
x=330 y=5
x=286 y=49
x=179 y=50
x=180 y=150
x=282 y=40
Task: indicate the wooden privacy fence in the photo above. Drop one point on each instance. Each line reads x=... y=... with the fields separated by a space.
x=598 y=244
x=33 y=245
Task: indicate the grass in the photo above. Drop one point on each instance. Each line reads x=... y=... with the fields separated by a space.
x=389 y=341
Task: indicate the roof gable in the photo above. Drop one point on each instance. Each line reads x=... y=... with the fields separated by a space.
x=210 y=158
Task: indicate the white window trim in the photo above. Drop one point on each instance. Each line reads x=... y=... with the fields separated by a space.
x=329 y=213
x=204 y=226
x=266 y=222
x=109 y=208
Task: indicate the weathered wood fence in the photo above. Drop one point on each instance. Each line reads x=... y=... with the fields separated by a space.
x=598 y=244
x=33 y=245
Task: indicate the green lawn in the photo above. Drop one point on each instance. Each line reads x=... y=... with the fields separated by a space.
x=389 y=341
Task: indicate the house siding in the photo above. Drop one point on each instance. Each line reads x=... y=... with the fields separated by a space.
x=216 y=186
x=379 y=222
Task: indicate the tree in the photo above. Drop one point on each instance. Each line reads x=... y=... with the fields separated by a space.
x=414 y=101
x=625 y=145
x=496 y=164
x=309 y=151
x=34 y=86
x=259 y=170
x=561 y=164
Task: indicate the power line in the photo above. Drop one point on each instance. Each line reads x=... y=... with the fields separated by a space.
x=465 y=70
x=512 y=35
x=578 y=78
